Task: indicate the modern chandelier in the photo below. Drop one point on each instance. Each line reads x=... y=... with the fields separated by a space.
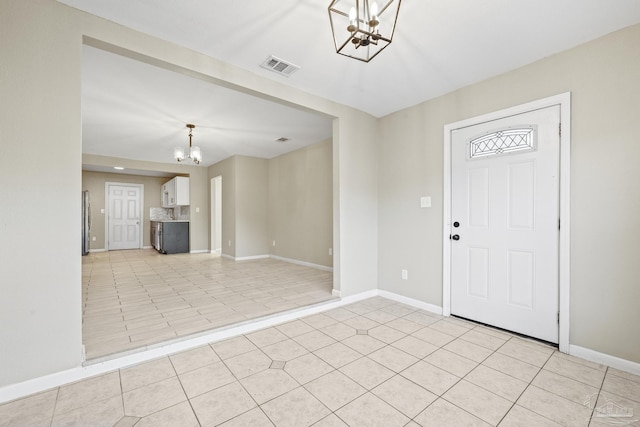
x=194 y=152
x=361 y=29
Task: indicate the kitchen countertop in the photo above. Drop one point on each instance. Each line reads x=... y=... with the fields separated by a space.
x=169 y=220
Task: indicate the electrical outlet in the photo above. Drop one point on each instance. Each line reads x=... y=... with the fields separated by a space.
x=330 y=251
x=273 y=243
x=405 y=275
x=229 y=243
x=93 y=238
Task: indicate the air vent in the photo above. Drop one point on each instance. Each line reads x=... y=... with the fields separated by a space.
x=282 y=140
x=279 y=66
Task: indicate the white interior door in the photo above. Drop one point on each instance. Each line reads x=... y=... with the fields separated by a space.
x=124 y=222
x=505 y=222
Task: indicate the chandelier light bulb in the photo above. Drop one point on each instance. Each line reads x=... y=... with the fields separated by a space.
x=352 y=20
x=196 y=154
x=178 y=153
x=373 y=15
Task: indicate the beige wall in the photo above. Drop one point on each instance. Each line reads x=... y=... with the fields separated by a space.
x=40 y=209
x=95 y=183
x=251 y=206
x=287 y=199
x=602 y=77
x=300 y=204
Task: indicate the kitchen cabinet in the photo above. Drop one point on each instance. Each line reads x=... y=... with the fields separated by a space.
x=170 y=237
x=175 y=192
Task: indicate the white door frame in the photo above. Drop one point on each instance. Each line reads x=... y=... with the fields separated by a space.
x=216 y=215
x=564 y=101
x=106 y=211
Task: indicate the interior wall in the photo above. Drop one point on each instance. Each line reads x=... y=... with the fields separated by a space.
x=355 y=202
x=301 y=205
x=602 y=77
x=287 y=199
x=251 y=207
x=41 y=44
x=95 y=183
x=40 y=208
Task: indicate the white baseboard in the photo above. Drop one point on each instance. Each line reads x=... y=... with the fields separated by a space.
x=605 y=359
x=303 y=263
x=336 y=293
x=279 y=258
x=249 y=258
x=199 y=251
x=410 y=301
x=91 y=251
x=244 y=258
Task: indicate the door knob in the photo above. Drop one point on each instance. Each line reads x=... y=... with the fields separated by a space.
x=455 y=237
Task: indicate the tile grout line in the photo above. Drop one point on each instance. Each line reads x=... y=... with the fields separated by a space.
x=195 y=414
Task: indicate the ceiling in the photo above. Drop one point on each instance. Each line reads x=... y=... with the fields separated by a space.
x=135 y=110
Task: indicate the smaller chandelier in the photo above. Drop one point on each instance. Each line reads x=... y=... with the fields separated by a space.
x=194 y=152
x=360 y=30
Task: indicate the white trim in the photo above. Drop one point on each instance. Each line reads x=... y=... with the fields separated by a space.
x=336 y=293
x=252 y=257
x=412 y=302
x=564 y=249
x=303 y=263
x=199 y=251
x=97 y=250
x=605 y=359
x=279 y=258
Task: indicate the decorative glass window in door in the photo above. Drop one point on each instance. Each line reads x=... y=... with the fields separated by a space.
x=521 y=138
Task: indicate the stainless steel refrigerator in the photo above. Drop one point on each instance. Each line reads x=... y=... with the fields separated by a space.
x=86 y=222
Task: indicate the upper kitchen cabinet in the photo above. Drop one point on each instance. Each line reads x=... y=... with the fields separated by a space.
x=175 y=192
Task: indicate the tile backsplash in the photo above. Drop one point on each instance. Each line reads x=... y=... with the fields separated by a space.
x=164 y=214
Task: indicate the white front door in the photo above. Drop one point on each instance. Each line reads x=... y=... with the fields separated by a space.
x=505 y=222
x=124 y=221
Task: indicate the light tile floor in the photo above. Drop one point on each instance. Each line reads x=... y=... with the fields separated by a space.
x=133 y=299
x=372 y=363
